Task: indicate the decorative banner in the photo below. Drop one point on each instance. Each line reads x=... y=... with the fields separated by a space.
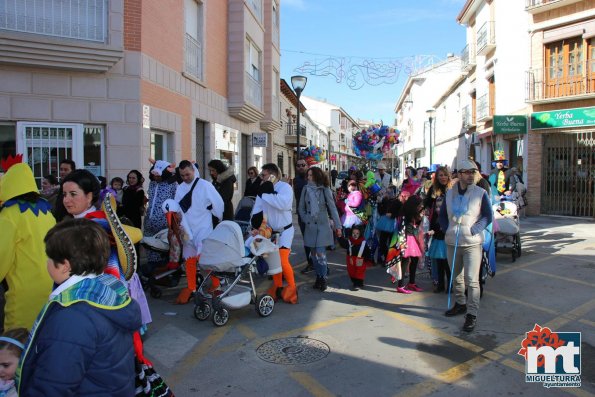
x=510 y=125
x=375 y=141
x=313 y=155
x=580 y=117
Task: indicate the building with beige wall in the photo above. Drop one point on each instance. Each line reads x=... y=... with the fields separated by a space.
x=560 y=84
x=110 y=83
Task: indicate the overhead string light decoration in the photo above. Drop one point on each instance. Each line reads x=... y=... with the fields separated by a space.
x=357 y=72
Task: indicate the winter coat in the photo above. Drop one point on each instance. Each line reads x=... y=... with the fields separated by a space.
x=224 y=185
x=133 y=205
x=82 y=343
x=251 y=189
x=317 y=232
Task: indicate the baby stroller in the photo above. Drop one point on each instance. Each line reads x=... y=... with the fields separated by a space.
x=507 y=232
x=223 y=256
x=170 y=278
x=243 y=212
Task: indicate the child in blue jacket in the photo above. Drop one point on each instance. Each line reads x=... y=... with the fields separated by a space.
x=81 y=343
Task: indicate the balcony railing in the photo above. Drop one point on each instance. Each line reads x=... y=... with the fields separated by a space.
x=486 y=37
x=253 y=91
x=292 y=128
x=468 y=58
x=483 y=107
x=467 y=116
x=193 y=57
x=548 y=83
x=72 y=19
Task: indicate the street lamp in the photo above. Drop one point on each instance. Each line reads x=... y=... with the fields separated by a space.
x=431 y=113
x=298 y=83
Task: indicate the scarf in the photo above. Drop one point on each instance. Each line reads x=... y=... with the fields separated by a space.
x=103 y=291
x=6 y=386
x=313 y=193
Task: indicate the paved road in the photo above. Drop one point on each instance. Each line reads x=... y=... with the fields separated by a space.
x=378 y=342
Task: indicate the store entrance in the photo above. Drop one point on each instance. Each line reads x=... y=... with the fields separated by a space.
x=568 y=174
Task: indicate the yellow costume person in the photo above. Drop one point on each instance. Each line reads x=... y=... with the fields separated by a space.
x=25 y=219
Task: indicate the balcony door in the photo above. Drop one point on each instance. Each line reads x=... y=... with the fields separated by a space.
x=564 y=68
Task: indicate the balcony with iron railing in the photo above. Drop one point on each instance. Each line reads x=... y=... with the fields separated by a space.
x=467 y=116
x=62 y=34
x=538 y=6
x=253 y=91
x=553 y=85
x=291 y=135
x=193 y=64
x=468 y=58
x=486 y=38
x=483 y=107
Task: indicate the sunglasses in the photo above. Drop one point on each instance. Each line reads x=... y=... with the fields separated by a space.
x=467 y=172
x=301 y=165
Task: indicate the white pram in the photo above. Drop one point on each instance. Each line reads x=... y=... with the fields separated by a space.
x=223 y=256
x=507 y=232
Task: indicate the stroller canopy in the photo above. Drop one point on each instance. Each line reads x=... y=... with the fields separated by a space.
x=224 y=247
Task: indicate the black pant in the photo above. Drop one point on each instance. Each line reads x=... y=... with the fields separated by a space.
x=412 y=263
x=383 y=243
x=443 y=273
x=307 y=249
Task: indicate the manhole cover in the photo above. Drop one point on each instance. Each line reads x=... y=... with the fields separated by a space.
x=293 y=351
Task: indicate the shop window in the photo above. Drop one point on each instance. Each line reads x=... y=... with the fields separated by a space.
x=93 y=149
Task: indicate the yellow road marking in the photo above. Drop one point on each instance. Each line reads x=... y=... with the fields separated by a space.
x=310 y=384
x=550 y=275
x=194 y=356
x=443 y=335
x=310 y=327
x=520 y=302
x=246 y=331
x=451 y=375
x=510 y=268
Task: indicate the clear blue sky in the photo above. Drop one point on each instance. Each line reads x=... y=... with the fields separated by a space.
x=401 y=33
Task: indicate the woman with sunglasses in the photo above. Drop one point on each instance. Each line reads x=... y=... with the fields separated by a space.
x=252 y=183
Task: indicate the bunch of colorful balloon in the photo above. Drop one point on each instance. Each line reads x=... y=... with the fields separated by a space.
x=313 y=155
x=374 y=142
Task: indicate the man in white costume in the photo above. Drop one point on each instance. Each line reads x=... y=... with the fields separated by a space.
x=275 y=202
x=200 y=202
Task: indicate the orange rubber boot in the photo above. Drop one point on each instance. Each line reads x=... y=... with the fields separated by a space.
x=186 y=293
x=289 y=293
x=277 y=283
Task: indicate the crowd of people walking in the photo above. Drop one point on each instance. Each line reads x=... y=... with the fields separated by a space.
x=436 y=219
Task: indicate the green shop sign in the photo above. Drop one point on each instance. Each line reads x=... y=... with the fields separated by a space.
x=510 y=124
x=563 y=118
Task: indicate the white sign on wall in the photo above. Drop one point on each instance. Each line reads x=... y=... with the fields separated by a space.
x=146 y=116
x=259 y=139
